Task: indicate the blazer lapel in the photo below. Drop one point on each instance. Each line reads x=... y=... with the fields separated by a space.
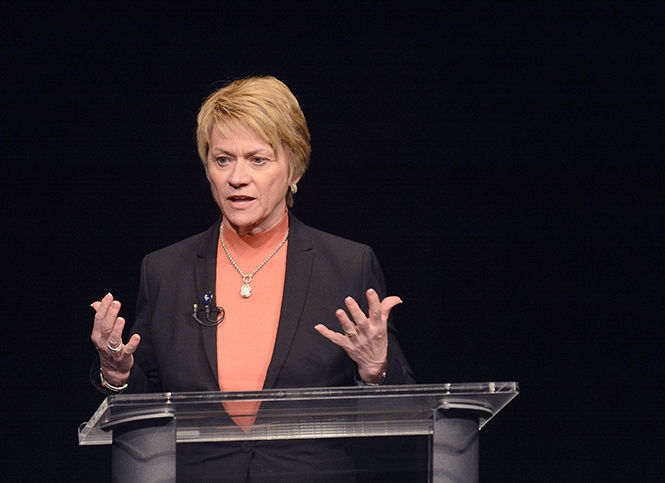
x=205 y=270
x=299 y=259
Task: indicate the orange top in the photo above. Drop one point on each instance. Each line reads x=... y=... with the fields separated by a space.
x=246 y=337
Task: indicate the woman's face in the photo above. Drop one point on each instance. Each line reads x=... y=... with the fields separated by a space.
x=248 y=179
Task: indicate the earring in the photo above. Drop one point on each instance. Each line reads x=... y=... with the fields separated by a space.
x=293 y=188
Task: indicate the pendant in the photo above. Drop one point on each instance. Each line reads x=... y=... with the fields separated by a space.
x=245 y=291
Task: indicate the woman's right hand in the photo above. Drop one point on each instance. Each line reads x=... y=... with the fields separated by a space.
x=107 y=335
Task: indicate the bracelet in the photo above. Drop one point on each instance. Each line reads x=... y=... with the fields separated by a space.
x=381 y=379
x=110 y=386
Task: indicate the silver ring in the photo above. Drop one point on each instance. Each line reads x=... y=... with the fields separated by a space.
x=117 y=348
x=351 y=335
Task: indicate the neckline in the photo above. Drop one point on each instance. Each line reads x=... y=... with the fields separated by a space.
x=257 y=242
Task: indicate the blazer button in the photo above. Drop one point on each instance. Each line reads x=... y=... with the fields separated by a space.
x=247 y=446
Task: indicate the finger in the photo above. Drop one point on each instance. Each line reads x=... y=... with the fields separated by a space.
x=100 y=328
x=374 y=305
x=332 y=336
x=107 y=337
x=115 y=337
x=356 y=312
x=347 y=325
x=132 y=344
x=107 y=311
x=379 y=310
x=388 y=304
x=105 y=321
x=104 y=304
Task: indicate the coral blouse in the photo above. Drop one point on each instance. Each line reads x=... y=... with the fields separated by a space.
x=246 y=337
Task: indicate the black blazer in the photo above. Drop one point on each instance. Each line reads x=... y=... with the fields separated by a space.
x=178 y=354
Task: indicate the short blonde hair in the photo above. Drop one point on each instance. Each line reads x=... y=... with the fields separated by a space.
x=266 y=106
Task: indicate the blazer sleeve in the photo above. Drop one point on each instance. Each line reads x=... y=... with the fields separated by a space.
x=145 y=375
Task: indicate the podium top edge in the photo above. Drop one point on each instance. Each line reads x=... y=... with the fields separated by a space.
x=407 y=390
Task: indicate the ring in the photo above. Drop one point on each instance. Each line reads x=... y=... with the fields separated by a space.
x=351 y=335
x=117 y=348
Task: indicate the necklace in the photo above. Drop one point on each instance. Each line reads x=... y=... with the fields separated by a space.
x=246 y=290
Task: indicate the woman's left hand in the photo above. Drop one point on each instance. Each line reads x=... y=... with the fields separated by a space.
x=366 y=340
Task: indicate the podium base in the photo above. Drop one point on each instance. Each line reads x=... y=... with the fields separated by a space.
x=455 y=444
x=144 y=451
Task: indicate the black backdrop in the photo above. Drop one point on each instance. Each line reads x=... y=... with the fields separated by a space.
x=503 y=160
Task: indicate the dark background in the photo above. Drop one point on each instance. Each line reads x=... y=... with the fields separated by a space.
x=504 y=160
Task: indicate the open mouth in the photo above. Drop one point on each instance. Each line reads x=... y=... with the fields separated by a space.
x=240 y=199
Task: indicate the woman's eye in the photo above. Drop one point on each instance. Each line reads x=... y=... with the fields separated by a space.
x=222 y=160
x=258 y=160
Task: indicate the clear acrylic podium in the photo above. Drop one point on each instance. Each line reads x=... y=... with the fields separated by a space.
x=144 y=428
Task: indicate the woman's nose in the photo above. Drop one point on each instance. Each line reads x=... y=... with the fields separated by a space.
x=239 y=175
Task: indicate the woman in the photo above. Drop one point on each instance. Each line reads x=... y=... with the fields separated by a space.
x=277 y=282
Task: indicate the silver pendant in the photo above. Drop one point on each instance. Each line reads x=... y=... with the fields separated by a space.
x=245 y=291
